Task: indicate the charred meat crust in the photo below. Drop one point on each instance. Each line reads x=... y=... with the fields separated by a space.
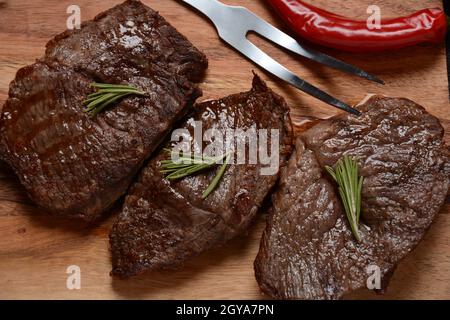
x=307 y=250
x=76 y=166
x=163 y=223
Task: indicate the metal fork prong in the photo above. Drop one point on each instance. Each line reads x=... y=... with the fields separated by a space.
x=265 y=29
x=266 y=62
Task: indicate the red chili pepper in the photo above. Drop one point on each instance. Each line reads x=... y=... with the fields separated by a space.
x=331 y=30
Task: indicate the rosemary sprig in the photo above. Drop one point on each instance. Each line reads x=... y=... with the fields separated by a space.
x=350 y=185
x=187 y=166
x=105 y=95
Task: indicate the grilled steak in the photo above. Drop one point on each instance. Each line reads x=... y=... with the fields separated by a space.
x=307 y=250
x=76 y=166
x=164 y=223
x=129 y=41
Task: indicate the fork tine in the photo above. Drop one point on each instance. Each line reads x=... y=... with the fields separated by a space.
x=280 y=38
x=233 y=23
x=265 y=61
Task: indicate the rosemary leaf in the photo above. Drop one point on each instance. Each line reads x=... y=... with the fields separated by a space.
x=188 y=171
x=106 y=95
x=217 y=178
x=99 y=107
x=350 y=185
x=188 y=166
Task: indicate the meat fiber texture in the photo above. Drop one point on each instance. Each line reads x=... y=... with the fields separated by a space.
x=308 y=250
x=163 y=223
x=77 y=166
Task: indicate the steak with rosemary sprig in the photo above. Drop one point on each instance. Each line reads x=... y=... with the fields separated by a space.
x=308 y=250
x=76 y=165
x=163 y=223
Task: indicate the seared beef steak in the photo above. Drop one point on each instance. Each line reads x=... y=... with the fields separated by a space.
x=77 y=166
x=128 y=41
x=307 y=250
x=164 y=223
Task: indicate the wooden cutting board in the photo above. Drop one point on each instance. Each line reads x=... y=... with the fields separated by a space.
x=35 y=249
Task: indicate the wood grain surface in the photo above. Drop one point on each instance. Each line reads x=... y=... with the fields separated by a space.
x=35 y=249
